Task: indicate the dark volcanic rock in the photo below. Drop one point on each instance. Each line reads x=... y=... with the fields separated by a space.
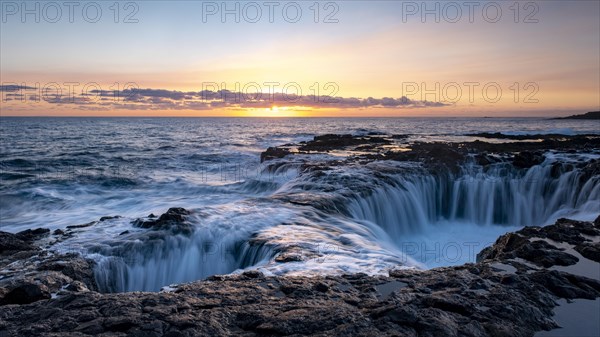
x=528 y=244
x=564 y=230
x=588 y=115
x=470 y=300
x=331 y=142
x=104 y=218
x=29 y=274
x=274 y=152
x=72 y=265
x=10 y=244
x=550 y=136
x=527 y=159
x=443 y=156
x=174 y=220
x=26 y=293
x=589 y=250
x=510 y=246
x=89 y=224
x=33 y=234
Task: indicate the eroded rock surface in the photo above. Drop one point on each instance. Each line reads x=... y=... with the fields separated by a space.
x=481 y=299
x=29 y=273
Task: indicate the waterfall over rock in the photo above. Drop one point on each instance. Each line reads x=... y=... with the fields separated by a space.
x=500 y=195
x=355 y=218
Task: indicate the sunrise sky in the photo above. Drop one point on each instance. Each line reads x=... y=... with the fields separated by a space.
x=378 y=59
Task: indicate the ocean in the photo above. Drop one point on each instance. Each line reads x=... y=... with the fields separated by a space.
x=59 y=172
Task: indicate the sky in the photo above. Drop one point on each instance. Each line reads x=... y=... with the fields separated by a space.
x=302 y=58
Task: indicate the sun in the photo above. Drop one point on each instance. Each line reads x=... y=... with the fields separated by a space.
x=275 y=111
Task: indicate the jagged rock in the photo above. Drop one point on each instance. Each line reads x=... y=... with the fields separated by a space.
x=10 y=244
x=589 y=250
x=89 y=224
x=33 y=234
x=527 y=159
x=439 y=155
x=174 y=220
x=30 y=274
x=283 y=258
x=484 y=159
x=253 y=274
x=73 y=266
x=564 y=230
x=25 y=293
x=77 y=286
x=104 y=218
x=331 y=142
x=527 y=244
x=511 y=246
x=273 y=153
x=470 y=300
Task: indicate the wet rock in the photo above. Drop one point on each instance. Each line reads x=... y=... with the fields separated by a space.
x=565 y=285
x=589 y=250
x=77 y=286
x=104 y=218
x=505 y=244
x=10 y=244
x=174 y=220
x=33 y=234
x=89 y=224
x=329 y=142
x=253 y=274
x=273 y=153
x=470 y=300
x=564 y=230
x=545 y=254
x=527 y=159
x=591 y=169
x=73 y=266
x=511 y=246
x=283 y=258
x=29 y=273
x=26 y=293
x=484 y=159
x=444 y=156
x=528 y=243
x=322 y=287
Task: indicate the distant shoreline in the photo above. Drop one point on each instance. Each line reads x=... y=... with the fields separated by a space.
x=589 y=115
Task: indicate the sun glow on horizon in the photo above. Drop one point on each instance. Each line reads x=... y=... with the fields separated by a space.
x=275 y=111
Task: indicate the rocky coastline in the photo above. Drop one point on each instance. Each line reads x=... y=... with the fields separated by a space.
x=511 y=290
x=588 y=115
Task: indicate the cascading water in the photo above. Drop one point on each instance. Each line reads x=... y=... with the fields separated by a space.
x=175 y=259
x=375 y=211
x=221 y=243
x=500 y=195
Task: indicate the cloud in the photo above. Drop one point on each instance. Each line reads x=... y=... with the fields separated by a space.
x=164 y=99
x=14 y=87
